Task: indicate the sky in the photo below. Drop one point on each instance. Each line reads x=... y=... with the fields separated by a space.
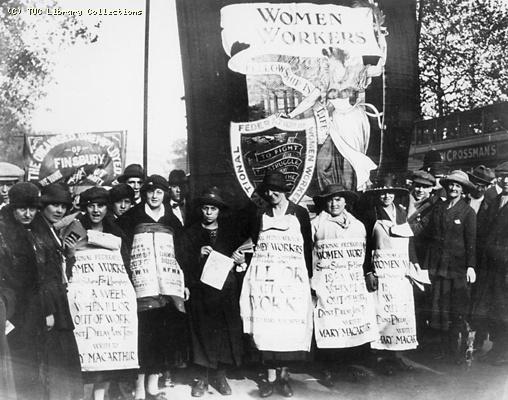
x=99 y=86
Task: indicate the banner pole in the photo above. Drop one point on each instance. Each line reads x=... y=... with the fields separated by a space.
x=145 y=86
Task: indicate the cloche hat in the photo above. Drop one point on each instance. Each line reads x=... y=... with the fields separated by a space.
x=24 y=194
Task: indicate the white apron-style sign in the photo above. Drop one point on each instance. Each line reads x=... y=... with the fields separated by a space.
x=275 y=302
x=395 y=310
x=344 y=315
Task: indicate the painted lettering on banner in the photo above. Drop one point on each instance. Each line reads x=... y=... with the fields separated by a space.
x=95 y=158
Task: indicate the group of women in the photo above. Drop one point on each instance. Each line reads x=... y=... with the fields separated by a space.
x=342 y=279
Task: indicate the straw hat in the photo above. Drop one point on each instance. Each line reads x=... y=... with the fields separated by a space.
x=459 y=177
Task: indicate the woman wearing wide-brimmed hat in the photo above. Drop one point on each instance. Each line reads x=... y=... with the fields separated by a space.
x=389 y=254
x=216 y=326
x=338 y=257
x=451 y=259
x=275 y=302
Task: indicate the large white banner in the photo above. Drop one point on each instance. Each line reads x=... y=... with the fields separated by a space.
x=395 y=310
x=295 y=29
x=104 y=311
x=344 y=315
x=154 y=267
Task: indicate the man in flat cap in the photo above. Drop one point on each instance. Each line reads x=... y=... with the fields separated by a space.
x=9 y=175
x=420 y=204
x=481 y=177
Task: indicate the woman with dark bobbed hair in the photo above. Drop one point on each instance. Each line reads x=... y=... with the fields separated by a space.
x=216 y=327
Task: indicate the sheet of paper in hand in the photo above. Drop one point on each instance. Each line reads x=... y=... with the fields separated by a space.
x=216 y=269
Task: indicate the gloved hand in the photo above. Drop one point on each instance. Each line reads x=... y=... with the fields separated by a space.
x=471 y=275
x=371 y=282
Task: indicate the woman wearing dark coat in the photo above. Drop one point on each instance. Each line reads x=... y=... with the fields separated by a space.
x=19 y=275
x=216 y=326
x=7 y=389
x=451 y=260
x=57 y=348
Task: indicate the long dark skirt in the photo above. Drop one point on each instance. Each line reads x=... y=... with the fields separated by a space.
x=216 y=327
x=60 y=368
x=163 y=332
x=450 y=302
x=490 y=303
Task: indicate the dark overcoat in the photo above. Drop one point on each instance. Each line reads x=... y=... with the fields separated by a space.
x=57 y=348
x=7 y=389
x=491 y=289
x=214 y=314
x=452 y=247
x=19 y=273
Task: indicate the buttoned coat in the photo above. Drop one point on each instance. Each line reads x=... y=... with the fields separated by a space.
x=452 y=247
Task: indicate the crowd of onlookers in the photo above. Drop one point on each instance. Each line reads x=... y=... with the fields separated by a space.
x=431 y=260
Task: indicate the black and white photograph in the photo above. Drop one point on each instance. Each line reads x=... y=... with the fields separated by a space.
x=253 y=199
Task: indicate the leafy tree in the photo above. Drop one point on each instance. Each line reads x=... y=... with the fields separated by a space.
x=28 y=44
x=178 y=155
x=463 y=54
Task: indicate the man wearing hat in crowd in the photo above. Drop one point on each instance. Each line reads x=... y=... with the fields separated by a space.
x=494 y=190
x=338 y=257
x=9 y=175
x=19 y=274
x=482 y=178
x=420 y=205
x=121 y=199
x=134 y=176
x=422 y=183
x=451 y=261
x=162 y=324
x=433 y=164
x=490 y=308
x=178 y=182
